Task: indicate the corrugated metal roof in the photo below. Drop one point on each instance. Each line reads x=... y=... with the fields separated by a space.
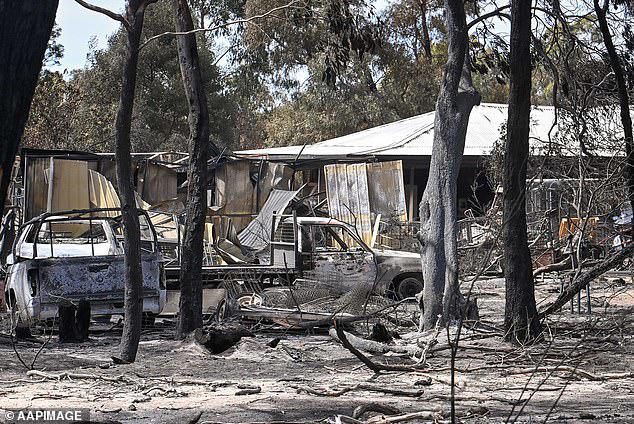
x=414 y=137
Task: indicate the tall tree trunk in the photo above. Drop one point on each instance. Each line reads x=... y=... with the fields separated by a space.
x=520 y=315
x=624 y=101
x=438 y=236
x=25 y=28
x=191 y=292
x=133 y=299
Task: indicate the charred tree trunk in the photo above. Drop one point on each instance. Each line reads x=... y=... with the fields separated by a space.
x=191 y=292
x=438 y=236
x=624 y=101
x=25 y=27
x=74 y=322
x=133 y=299
x=520 y=315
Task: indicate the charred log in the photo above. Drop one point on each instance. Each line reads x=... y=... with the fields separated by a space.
x=217 y=338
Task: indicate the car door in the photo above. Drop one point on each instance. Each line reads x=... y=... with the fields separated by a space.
x=333 y=255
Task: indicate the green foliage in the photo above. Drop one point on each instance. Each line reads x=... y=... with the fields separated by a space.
x=54 y=51
x=52 y=117
x=311 y=70
x=91 y=96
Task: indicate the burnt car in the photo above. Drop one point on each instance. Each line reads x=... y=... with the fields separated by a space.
x=65 y=257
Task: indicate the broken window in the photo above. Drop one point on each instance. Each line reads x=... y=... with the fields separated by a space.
x=69 y=232
x=329 y=238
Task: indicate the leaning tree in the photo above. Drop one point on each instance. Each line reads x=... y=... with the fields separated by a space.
x=616 y=64
x=25 y=28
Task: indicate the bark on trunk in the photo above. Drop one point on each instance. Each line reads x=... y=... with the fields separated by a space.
x=191 y=293
x=520 y=315
x=133 y=299
x=624 y=101
x=25 y=28
x=438 y=236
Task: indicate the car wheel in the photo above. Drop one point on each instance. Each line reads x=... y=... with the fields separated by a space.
x=409 y=287
x=222 y=311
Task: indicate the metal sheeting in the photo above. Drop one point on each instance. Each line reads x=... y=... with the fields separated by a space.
x=357 y=193
x=68 y=185
x=273 y=176
x=414 y=136
x=62 y=184
x=348 y=200
x=257 y=235
x=102 y=193
x=386 y=189
x=36 y=187
x=157 y=183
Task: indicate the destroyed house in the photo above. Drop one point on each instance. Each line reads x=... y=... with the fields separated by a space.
x=410 y=141
x=55 y=180
x=373 y=179
x=381 y=172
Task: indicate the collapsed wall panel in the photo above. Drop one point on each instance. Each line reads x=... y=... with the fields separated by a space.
x=359 y=193
x=273 y=176
x=387 y=190
x=257 y=235
x=347 y=191
x=156 y=183
x=234 y=195
x=242 y=190
x=68 y=185
x=102 y=193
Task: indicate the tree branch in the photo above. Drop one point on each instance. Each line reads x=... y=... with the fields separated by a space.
x=217 y=27
x=109 y=13
x=586 y=278
x=487 y=16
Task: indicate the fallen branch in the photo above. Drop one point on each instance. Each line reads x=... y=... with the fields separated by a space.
x=559 y=266
x=360 y=410
x=360 y=386
x=70 y=376
x=577 y=372
x=160 y=389
x=248 y=390
x=369 y=345
x=586 y=278
x=422 y=359
x=376 y=367
x=418 y=416
x=348 y=319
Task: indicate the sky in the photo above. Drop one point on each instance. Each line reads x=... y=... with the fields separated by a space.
x=79 y=25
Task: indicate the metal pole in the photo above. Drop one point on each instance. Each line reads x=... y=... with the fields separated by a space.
x=92 y=243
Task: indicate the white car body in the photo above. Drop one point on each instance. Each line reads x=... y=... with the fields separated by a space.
x=90 y=267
